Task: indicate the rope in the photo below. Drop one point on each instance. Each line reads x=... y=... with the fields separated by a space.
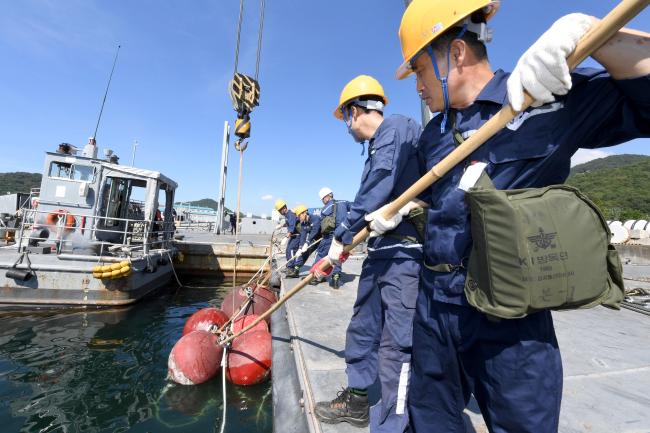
x=171 y=262
x=245 y=304
x=223 y=388
x=288 y=261
x=241 y=16
x=259 y=41
x=241 y=167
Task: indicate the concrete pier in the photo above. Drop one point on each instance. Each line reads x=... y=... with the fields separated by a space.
x=217 y=256
x=605 y=355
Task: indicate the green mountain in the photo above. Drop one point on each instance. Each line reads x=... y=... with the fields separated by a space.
x=613 y=161
x=618 y=184
x=19 y=182
x=205 y=202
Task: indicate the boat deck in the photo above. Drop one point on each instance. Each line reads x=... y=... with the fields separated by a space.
x=605 y=354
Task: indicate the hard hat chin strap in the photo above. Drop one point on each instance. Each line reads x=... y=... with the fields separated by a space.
x=444 y=80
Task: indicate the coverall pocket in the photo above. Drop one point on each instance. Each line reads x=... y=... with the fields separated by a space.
x=382 y=156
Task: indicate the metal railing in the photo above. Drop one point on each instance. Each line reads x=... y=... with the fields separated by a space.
x=198 y=226
x=93 y=232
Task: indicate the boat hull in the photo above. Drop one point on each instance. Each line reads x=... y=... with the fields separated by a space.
x=74 y=286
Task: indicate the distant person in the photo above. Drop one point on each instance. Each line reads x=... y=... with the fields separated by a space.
x=233 y=223
x=309 y=232
x=332 y=215
x=293 y=231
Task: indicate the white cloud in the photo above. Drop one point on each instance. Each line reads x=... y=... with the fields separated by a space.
x=267 y=197
x=586 y=155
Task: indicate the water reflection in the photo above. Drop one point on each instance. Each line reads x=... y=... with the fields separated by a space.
x=104 y=371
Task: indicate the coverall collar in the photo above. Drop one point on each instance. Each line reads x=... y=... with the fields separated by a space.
x=495 y=90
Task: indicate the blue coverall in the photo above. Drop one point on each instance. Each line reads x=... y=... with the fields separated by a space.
x=342 y=207
x=378 y=339
x=294 y=241
x=309 y=233
x=513 y=367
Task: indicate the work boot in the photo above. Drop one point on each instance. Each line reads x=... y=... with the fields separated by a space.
x=346 y=407
x=335 y=281
x=293 y=272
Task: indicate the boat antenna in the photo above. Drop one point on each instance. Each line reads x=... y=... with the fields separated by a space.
x=99 y=118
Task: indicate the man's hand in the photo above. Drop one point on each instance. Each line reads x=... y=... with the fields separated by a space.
x=336 y=254
x=303 y=249
x=318 y=272
x=380 y=225
x=543 y=70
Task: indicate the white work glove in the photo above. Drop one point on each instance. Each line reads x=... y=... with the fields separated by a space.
x=379 y=225
x=543 y=70
x=304 y=248
x=335 y=253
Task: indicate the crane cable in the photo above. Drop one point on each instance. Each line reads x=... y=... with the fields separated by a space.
x=259 y=37
x=244 y=93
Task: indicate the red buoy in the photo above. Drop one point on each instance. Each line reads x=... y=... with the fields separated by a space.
x=243 y=321
x=263 y=299
x=195 y=358
x=203 y=320
x=249 y=358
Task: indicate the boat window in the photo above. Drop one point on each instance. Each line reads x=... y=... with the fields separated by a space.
x=66 y=170
x=83 y=172
x=117 y=189
x=60 y=169
x=137 y=198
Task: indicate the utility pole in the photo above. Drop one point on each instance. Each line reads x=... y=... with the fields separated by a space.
x=426 y=114
x=135 y=145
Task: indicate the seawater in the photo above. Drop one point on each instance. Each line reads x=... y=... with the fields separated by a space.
x=104 y=370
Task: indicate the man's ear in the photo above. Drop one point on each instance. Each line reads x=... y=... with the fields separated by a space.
x=355 y=111
x=459 y=52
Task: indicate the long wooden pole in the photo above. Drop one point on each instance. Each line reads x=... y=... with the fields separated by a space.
x=594 y=39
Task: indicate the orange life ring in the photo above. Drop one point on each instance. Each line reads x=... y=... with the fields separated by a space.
x=53 y=218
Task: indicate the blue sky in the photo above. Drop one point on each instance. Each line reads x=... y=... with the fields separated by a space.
x=169 y=91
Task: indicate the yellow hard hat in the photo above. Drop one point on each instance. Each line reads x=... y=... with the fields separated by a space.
x=425 y=20
x=363 y=85
x=300 y=209
x=279 y=204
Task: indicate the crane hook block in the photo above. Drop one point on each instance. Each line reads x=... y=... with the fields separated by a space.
x=244 y=93
x=243 y=127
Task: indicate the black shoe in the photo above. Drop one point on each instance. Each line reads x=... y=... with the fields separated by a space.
x=346 y=407
x=315 y=281
x=335 y=281
x=293 y=272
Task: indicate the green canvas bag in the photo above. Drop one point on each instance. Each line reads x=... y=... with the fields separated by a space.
x=328 y=223
x=537 y=249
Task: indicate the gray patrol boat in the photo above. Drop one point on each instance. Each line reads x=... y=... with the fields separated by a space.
x=96 y=233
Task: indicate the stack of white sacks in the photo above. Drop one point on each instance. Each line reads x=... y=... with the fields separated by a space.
x=631 y=232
